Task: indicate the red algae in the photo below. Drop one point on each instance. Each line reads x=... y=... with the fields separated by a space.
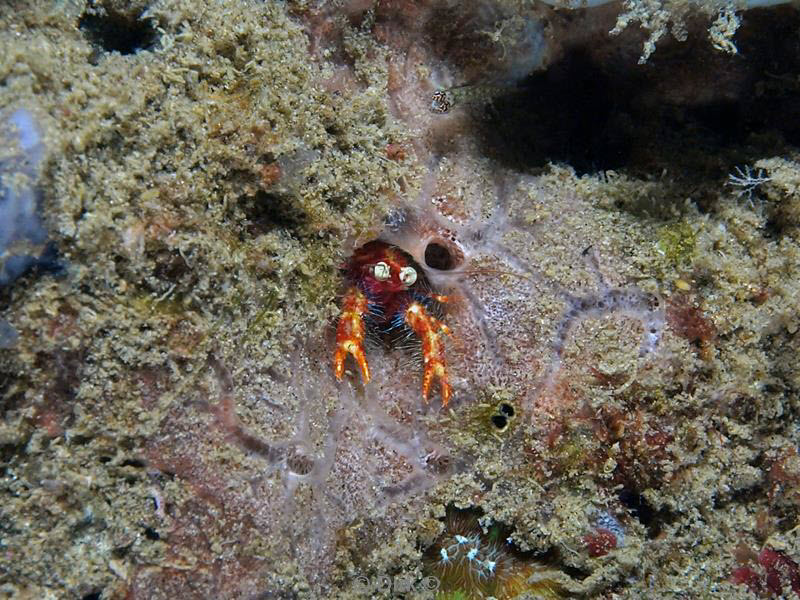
x=778 y=573
x=600 y=542
x=690 y=322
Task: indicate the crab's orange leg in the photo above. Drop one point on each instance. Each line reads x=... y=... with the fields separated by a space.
x=350 y=333
x=429 y=330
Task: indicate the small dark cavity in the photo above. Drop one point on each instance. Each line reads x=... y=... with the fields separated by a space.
x=438 y=257
x=170 y=266
x=500 y=421
x=93 y=596
x=80 y=440
x=654 y=520
x=133 y=462
x=265 y=212
x=507 y=409
x=151 y=534
x=115 y=32
x=9 y=451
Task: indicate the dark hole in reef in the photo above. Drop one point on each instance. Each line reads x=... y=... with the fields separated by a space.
x=265 y=212
x=137 y=463
x=114 y=32
x=507 y=409
x=11 y=396
x=438 y=257
x=499 y=421
x=170 y=266
x=648 y=516
x=80 y=440
x=691 y=110
x=93 y=596
x=151 y=534
x=9 y=451
x=773 y=229
x=552 y=557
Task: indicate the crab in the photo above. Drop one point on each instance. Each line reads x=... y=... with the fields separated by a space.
x=387 y=294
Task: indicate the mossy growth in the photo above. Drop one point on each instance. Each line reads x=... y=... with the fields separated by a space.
x=782 y=189
x=573 y=453
x=677 y=242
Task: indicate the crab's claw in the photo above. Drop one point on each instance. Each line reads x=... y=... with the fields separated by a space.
x=350 y=333
x=429 y=330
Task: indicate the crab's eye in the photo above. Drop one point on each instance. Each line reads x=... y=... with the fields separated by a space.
x=408 y=276
x=381 y=271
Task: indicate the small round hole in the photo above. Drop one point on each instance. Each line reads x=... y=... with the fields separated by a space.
x=506 y=409
x=438 y=257
x=500 y=421
x=299 y=463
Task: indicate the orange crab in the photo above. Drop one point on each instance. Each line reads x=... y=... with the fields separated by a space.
x=388 y=295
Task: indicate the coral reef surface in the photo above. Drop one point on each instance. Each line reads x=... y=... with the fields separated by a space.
x=613 y=216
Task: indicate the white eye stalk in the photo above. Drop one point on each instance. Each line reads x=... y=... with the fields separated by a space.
x=381 y=271
x=408 y=276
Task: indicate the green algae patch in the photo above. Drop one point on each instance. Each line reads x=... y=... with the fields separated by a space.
x=677 y=243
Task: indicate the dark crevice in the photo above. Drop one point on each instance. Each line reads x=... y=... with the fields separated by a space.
x=9 y=451
x=573 y=572
x=11 y=397
x=172 y=267
x=265 y=211
x=80 y=440
x=653 y=520
x=691 y=110
x=115 y=32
